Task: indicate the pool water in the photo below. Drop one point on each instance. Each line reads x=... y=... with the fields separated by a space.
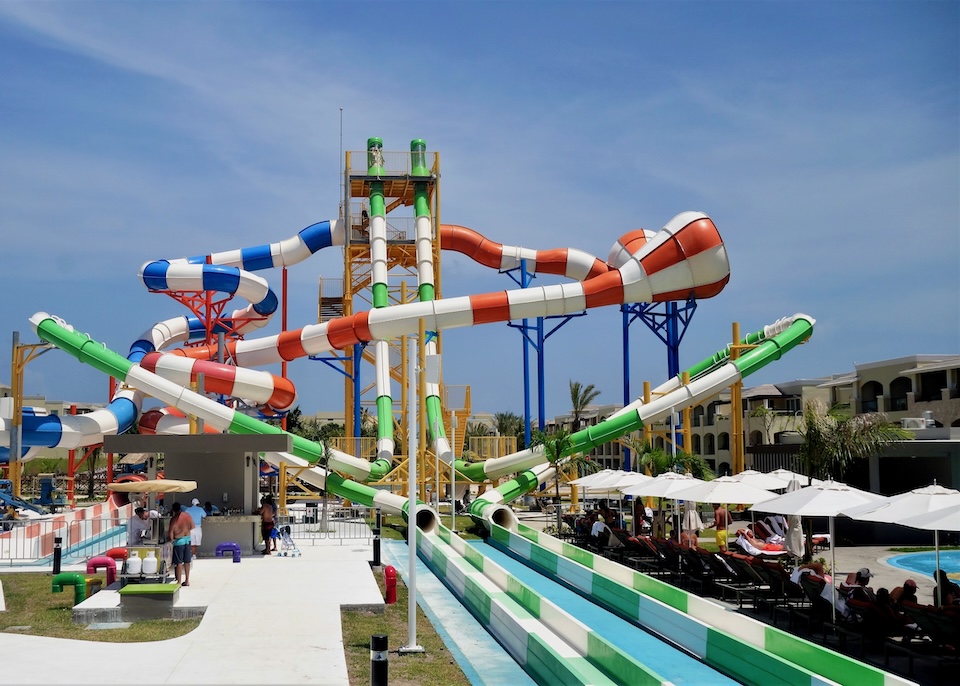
x=926 y=563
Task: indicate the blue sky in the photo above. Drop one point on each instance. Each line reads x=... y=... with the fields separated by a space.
x=823 y=138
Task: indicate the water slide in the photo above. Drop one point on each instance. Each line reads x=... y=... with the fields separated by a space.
x=542 y=635
x=685 y=259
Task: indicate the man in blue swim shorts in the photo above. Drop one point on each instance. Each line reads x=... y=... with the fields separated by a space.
x=181 y=524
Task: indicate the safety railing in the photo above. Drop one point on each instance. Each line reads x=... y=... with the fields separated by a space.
x=31 y=543
x=340 y=523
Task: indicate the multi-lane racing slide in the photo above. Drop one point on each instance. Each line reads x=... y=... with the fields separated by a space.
x=685 y=259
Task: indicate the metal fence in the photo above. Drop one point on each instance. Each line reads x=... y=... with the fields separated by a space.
x=30 y=543
x=340 y=523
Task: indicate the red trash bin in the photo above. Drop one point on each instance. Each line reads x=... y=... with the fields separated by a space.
x=390 y=581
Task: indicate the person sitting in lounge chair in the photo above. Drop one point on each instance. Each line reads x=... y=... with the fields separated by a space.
x=754 y=546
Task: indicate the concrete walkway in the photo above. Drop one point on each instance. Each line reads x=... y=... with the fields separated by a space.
x=269 y=620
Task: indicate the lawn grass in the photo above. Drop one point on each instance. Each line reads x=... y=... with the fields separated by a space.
x=433 y=667
x=33 y=609
x=395 y=527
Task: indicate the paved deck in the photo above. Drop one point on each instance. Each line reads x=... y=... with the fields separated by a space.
x=296 y=602
x=269 y=619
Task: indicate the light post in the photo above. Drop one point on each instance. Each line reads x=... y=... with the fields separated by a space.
x=453 y=471
x=413 y=382
x=22 y=354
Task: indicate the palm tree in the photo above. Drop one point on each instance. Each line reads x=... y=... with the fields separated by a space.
x=556 y=447
x=476 y=429
x=834 y=439
x=324 y=461
x=657 y=461
x=508 y=423
x=580 y=397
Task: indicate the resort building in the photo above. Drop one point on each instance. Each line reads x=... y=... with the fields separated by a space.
x=922 y=392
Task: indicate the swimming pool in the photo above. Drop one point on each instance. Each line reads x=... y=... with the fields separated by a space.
x=925 y=563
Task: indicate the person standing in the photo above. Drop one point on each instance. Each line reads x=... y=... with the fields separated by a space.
x=721 y=520
x=139 y=527
x=180 y=526
x=197 y=514
x=267 y=521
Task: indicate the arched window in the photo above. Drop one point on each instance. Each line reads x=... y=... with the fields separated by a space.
x=711 y=445
x=870 y=393
x=658 y=442
x=696 y=443
x=756 y=438
x=899 y=388
x=723 y=442
x=698 y=413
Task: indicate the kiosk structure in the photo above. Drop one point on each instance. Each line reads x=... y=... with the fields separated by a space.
x=226 y=468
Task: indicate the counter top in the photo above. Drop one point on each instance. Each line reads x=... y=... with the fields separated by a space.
x=213 y=519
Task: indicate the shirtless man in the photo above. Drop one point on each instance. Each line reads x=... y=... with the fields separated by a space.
x=181 y=524
x=721 y=520
x=266 y=522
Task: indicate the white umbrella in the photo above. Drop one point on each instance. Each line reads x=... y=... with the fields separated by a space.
x=930 y=508
x=630 y=479
x=787 y=476
x=947 y=519
x=826 y=499
x=898 y=507
x=154 y=486
x=605 y=482
x=592 y=479
x=663 y=486
x=760 y=480
x=724 y=489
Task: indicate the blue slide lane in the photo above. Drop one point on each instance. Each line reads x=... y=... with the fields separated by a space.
x=484 y=661
x=662 y=657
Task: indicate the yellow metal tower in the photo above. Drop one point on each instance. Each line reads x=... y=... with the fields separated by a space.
x=356 y=292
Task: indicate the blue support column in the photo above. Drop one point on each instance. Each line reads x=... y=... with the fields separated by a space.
x=625 y=337
x=335 y=363
x=669 y=321
x=534 y=337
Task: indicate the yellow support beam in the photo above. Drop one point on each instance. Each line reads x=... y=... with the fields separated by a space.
x=22 y=355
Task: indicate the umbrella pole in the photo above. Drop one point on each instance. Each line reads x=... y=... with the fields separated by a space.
x=936 y=545
x=833 y=574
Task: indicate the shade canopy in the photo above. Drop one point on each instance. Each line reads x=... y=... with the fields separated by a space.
x=724 y=489
x=787 y=476
x=663 y=486
x=899 y=507
x=760 y=480
x=631 y=479
x=826 y=499
x=597 y=477
x=154 y=486
x=947 y=519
